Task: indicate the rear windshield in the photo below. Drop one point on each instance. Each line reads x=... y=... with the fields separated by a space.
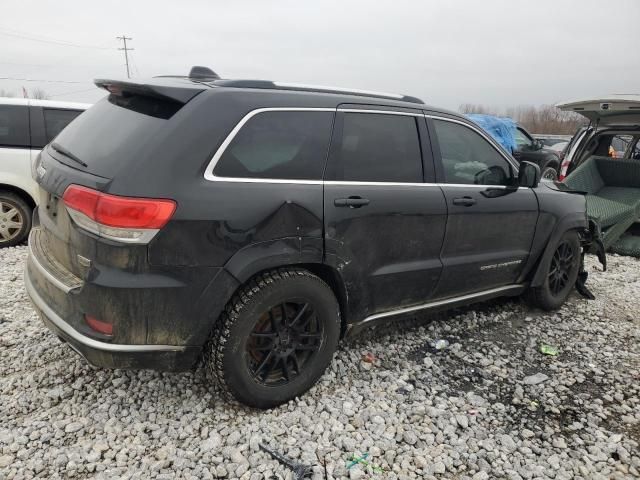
x=113 y=132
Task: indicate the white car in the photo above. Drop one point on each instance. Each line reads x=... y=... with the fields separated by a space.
x=26 y=126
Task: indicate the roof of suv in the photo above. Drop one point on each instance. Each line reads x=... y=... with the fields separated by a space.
x=33 y=102
x=182 y=89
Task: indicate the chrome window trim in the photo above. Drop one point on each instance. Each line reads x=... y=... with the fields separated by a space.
x=481 y=133
x=439 y=303
x=379 y=184
x=208 y=173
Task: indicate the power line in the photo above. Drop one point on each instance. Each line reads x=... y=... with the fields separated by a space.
x=62 y=43
x=126 y=50
x=44 y=81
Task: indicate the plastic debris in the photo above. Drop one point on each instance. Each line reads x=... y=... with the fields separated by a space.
x=548 y=350
x=300 y=470
x=440 y=344
x=369 y=357
x=354 y=460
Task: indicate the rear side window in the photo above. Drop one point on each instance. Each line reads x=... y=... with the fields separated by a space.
x=55 y=120
x=14 y=126
x=468 y=158
x=279 y=145
x=375 y=147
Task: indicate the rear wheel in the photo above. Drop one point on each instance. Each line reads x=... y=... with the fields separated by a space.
x=275 y=338
x=561 y=274
x=15 y=219
x=549 y=172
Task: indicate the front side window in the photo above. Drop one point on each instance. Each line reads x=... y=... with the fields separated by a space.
x=523 y=141
x=14 y=126
x=375 y=147
x=55 y=120
x=468 y=158
x=279 y=145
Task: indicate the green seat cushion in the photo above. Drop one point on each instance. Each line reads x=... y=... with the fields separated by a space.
x=608 y=212
x=627 y=245
x=627 y=195
x=586 y=177
x=616 y=172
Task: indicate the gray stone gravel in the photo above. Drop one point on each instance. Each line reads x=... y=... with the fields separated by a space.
x=470 y=411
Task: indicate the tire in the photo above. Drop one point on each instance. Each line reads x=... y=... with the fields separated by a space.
x=549 y=172
x=15 y=219
x=561 y=274
x=256 y=359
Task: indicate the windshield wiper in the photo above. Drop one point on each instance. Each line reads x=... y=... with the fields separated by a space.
x=63 y=151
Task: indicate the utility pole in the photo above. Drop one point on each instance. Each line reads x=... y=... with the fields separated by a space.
x=126 y=50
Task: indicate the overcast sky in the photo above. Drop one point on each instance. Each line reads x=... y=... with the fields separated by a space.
x=448 y=52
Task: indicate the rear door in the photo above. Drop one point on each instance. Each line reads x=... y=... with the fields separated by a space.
x=384 y=225
x=491 y=222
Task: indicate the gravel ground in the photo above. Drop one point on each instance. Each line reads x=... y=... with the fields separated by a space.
x=490 y=405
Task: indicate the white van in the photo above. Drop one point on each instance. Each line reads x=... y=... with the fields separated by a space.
x=26 y=126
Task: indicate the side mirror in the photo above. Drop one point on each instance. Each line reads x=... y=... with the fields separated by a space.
x=528 y=175
x=539 y=144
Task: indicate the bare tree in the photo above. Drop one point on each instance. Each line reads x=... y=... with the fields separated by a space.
x=477 y=108
x=537 y=119
x=7 y=93
x=39 y=93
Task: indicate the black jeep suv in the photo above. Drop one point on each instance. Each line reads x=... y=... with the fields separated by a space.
x=249 y=225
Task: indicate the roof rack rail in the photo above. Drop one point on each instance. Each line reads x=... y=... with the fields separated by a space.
x=266 y=84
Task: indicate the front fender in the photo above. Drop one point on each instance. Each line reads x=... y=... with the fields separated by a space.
x=571 y=221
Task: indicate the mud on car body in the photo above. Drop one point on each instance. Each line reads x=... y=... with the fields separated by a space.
x=250 y=225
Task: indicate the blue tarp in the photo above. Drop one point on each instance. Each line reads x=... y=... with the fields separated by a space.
x=502 y=129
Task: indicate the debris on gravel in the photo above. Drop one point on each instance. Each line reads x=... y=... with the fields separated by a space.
x=487 y=404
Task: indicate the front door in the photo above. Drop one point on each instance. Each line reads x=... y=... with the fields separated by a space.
x=383 y=225
x=491 y=221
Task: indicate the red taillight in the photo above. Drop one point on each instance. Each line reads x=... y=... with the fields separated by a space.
x=119 y=212
x=99 y=326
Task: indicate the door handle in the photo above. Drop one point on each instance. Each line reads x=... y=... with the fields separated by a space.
x=352 y=202
x=464 y=201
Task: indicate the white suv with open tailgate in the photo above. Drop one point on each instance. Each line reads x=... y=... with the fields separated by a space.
x=26 y=126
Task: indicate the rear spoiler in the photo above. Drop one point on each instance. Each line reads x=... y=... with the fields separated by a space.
x=179 y=94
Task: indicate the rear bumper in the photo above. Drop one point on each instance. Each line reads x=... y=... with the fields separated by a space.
x=104 y=354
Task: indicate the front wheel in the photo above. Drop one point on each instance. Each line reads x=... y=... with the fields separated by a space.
x=275 y=338
x=561 y=274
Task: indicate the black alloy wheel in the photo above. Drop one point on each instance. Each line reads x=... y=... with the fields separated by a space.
x=275 y=337
x=283 y=342
x=561 y=273
x=561 y=267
